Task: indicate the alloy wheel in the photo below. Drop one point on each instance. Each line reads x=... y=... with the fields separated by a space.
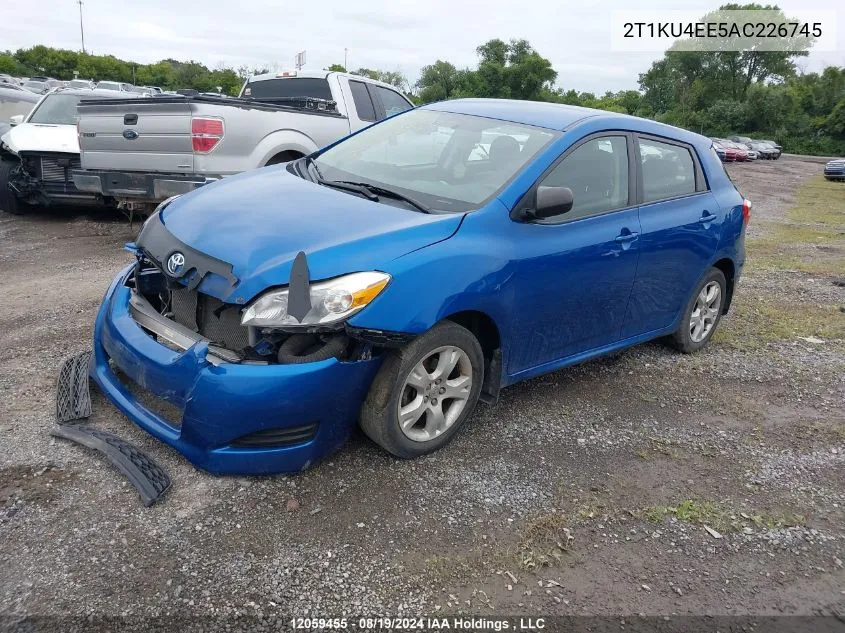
x=435 y=393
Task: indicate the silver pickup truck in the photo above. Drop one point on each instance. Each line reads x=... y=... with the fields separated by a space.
x=142 y=151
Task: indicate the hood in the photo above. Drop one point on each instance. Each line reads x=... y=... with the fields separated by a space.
x=259 y=220
x=42 y=137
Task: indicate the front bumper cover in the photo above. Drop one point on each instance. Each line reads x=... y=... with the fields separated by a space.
x=221 y=403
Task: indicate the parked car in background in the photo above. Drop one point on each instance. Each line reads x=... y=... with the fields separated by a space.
x=764 y=150
x=724 y=153
x=143 y=151
x=397 y=280
x=37 y=87
x=734 y=151
x=38 y=154
x=81 y=83
x=740 y=139
x=778 y=150
x=15 y=104
x=8 y=79
x=835 y=169
x=153 y=89
x=115 y=86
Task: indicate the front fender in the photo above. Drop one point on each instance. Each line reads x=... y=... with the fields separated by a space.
x=281 y=141
x=469 y=271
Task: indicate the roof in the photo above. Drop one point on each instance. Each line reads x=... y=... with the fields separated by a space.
x=559 y=116
x=555 y=116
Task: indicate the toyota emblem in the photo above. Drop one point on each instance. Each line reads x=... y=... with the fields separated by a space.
x=176 y=264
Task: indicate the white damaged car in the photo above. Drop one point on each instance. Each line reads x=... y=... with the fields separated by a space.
x=38 y=153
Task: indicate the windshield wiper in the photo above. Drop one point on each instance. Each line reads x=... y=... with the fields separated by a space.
x=383 y=191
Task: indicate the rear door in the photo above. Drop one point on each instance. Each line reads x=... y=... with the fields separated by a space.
x=681 y=222
x=154 y=135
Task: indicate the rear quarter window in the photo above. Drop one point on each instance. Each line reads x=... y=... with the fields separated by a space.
x=363 y=103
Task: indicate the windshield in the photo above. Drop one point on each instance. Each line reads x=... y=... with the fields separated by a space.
x=58 y=109
x=79 y=83
x=447 y=161
x=108 y=85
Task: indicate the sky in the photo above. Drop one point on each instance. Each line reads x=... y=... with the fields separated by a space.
x=384 y=34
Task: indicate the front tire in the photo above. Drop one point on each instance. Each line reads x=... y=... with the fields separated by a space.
x=8 y=200
x=702 y=313
x=425 y=391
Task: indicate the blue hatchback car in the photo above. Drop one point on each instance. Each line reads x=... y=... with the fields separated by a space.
x=399 y=276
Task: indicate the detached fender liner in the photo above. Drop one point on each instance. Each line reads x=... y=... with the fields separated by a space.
x=149 y=478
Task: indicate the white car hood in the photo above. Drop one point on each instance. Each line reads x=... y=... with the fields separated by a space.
x=41 y=137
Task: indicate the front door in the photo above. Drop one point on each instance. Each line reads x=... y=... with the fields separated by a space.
x=576 y=271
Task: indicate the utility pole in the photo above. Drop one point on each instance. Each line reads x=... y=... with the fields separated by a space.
x=345 y=53
x=81 y=30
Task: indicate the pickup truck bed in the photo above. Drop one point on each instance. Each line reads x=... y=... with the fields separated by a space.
x=140 y=151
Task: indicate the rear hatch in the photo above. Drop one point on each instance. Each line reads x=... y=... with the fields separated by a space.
x=148 y=134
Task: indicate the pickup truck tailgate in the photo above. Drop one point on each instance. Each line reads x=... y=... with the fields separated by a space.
x=136 y=134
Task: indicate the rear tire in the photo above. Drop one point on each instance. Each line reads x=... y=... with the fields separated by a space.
x=435 y=380
x=701 y=314
x=8 y=200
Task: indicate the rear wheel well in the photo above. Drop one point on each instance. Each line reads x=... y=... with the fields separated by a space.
x=484 y=329
x=284 y=157
x=729 y=271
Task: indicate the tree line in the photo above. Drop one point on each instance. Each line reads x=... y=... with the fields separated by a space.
x=716 y=93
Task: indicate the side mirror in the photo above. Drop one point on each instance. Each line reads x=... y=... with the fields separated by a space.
x=552 y=201
x=16 y=120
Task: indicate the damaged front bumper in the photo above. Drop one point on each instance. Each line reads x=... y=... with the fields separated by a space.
x=225 y=417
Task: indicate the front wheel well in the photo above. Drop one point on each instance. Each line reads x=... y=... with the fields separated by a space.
x=485 y=330
x=729 y=271
x=284 y=157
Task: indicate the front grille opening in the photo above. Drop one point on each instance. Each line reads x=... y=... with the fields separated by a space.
x=217 y=321
x=270 y=438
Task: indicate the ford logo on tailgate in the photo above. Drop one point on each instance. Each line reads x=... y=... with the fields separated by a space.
x=130 y=135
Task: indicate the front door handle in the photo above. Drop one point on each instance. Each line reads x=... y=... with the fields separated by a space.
x=626 y=237
x=706 y=217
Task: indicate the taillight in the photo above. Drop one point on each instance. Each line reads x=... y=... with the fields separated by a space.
x=206 y=133
x=746 y=211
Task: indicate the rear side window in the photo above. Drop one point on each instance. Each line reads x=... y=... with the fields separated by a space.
x=597 y=174
x=363 y=102
x=668 y=170
x=393 y=102
x=284 y=88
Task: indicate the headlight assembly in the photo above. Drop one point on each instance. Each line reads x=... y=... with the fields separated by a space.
x=332 y=301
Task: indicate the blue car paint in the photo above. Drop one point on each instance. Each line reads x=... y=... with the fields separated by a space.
x=227 y=401
x=557 y=294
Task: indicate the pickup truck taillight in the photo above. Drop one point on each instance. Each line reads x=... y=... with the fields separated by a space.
x=206 y=133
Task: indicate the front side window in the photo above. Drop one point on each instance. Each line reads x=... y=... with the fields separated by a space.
x=668 y=170
x=447 y=161
x=392 y=101
x=597 y=174
x=56 y=109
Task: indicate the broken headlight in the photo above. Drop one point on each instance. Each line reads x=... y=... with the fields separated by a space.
x=331 y=302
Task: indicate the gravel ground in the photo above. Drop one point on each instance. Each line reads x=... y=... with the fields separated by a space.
x=648 y=482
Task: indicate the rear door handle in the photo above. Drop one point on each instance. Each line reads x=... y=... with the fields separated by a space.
x=706 y=217
x=627 y=237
